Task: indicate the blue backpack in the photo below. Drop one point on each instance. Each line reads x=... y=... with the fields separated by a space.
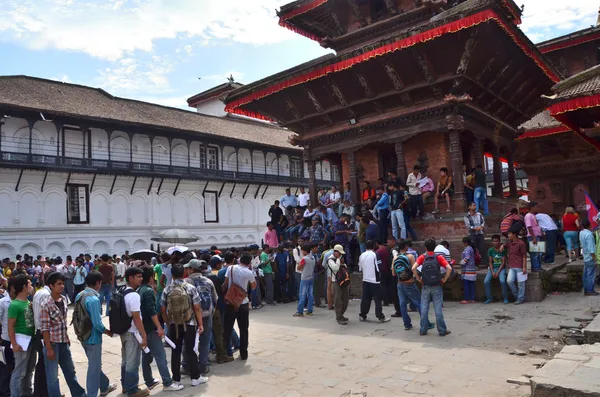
x=204 y=287
x=403 y=268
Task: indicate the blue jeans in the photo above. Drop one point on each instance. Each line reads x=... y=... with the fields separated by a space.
x=297 y=279
x=572 y=240
x=204 y=343
x=487 y=283
x=409 y=293
x=157 y=352
x=363 y=247
x=255 y=294
x=435 y=295
x=511 y=279
x=64 y=359
x=131 y=354
x=469 y=290
x=480 y=199
x=469 y=195
x=105 y=293
x=589 y=276
x=96 y=380
x=409 y=229
x=536 y=257
x=551 y=238
x=22 y=374
x=398 y=223
x=306 y=293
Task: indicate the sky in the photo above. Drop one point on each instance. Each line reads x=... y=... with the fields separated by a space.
x=164 y=51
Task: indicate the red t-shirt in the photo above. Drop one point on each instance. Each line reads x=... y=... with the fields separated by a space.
x=569 y=222
x=440 y=258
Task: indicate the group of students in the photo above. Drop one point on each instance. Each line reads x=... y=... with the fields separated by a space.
x=190 y=313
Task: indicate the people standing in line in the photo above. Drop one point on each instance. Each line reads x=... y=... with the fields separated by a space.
x=517 y=266
x=57 y=352
x=223 y=354
x=154 y=335
x=469 y=271
x=480 y=191
x=588 y=246
x=408 y=291
x=571 y=225
x=242 y=276
x=180 y=308
x=6 y=368
x=383 y=209
x=40 y=386
x=20 y=322
x=369 y=263
x=496 y=270
x=430 y=276
x=307 y=267
x=550 y=231
x=417 y=207
x=196 y=271
x=534 y=235
x=131 y=348
x=96 y=380
x=445 y=189
x=108 y=274
x=475 y=224
x=341 y=285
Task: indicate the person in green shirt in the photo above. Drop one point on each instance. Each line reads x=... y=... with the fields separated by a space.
x=265 y=263
x=497 y=264
x=20 y=322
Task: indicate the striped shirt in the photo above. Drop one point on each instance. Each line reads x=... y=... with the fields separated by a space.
x=53 y=319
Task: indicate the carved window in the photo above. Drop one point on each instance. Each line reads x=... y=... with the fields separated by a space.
x=295 y=168
x=78 y=204
x=212 y=158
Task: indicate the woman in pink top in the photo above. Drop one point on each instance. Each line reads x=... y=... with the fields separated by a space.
x=271 y=236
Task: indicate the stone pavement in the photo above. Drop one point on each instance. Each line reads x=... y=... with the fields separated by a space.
x=314 y=356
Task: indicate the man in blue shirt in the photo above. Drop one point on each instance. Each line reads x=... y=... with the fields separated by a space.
x=588 y=246
x=289 y=199
x=383 y=209
x=96 y=379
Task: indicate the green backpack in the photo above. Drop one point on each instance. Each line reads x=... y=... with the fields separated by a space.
x=81 y=321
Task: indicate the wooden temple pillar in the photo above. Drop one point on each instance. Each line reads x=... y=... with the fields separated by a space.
x=498 y=189
x=455 y=124
x=354 y=185
x=400 y=161
x=512 y=177
x=312 y=177
x=477 y=152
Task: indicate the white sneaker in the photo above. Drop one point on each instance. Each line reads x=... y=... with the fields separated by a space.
x=112 y=387
x=199 y=381
x=174 y=387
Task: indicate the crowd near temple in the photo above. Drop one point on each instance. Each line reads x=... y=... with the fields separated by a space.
x=436 y=148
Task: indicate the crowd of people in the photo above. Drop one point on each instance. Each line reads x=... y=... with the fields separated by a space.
x=189 y=301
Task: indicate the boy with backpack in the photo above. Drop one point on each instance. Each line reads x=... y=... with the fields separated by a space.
x=154 y=335
x=53 y=325
x=431 y=278
x=408 y=292
x=126 y=320
x=180 y=308
x=87 y=321
x=208 y=300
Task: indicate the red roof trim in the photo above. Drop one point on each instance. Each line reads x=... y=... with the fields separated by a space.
x=302 y=10
x=199 y=100
x=571 y=105
x=561 y=129
x=452 y=27
x=563 y=118
x=569 y=43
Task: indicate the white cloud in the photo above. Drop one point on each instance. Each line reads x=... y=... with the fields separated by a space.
x=175 y=102
x=111 y=29
x=221 y=78
x=545 y=19
x=130 y=75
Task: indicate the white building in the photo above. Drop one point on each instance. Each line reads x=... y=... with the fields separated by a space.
x=82 y=171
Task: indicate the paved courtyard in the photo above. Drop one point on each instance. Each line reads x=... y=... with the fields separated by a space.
x=314 y=356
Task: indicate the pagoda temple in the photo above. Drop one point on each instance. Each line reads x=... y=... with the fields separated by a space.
x=431 y=82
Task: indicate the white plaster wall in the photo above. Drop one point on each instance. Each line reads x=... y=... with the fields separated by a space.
x=212 y=107
x=34 y=222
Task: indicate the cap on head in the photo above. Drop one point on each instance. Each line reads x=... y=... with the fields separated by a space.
x=196 y=264
x=339 y=248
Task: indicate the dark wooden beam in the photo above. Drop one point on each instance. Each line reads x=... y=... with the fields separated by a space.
x=21 y=176
x=509 y=84
x=517 y=93
x=257 y=190
x=44 y=181
x=133 y=185
x=204 y=190
x=150 y=187
x=221 y=189
x=362 y=80
x=245 y=191
x=289 y=105
x=397 y=82
x=337 y=93
x=498 y=76
x=160 y=185
x=264 y=192
x=93 y=182
x=112 y=187
x=176 y=186
x=428 y=71
x=313 y=98
x=232 y=189
x=357 y=13
x=341 y=30
x=68 y=180
x=487 y=91
x=369 y=100
x=485 y=69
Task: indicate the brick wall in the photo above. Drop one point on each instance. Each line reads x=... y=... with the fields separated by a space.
x=367 y=163
x=550 y=200
x=433 y=145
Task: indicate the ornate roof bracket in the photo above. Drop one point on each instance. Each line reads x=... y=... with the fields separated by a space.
x=357 y=13
x=485 y=69
x=338 y=26
x=463 y=65
x=397 y=82
x=391 y=6
x=365 y=85
x=427 y=68
x=318 y=107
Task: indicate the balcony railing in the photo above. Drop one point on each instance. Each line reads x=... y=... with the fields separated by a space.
x=69 y=164
x=519 y=174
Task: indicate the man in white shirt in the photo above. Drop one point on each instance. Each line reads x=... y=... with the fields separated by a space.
x=415 y=198
x=340 y=292
x=551 y=231
x=131 y=351
x=121 y=267
x=303 y=199
x=39 y=380
x=443 y=249
x=297 y=253
x=368 y=264
x=334 y=199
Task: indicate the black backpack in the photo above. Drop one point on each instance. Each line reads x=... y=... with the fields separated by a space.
x=430 y=271
x=118 y=319
x=403 y=268
x=81 y=321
